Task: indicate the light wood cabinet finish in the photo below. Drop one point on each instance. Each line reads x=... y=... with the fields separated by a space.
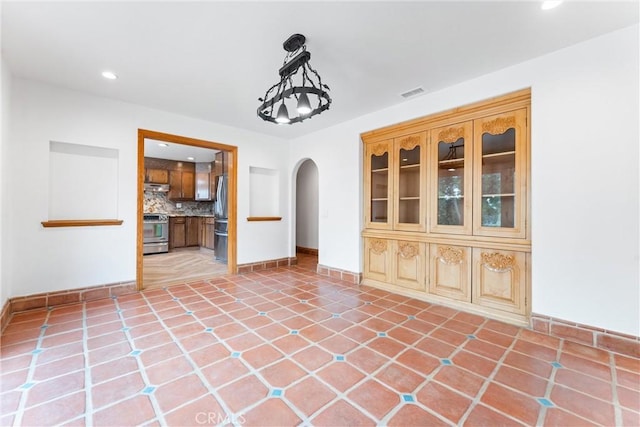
x=449 y=222
x=409 y=264
x=409 y=179
x=451 y=179
x=500 y=175
x=499 y=279
x=377 y=259
x=450 y=272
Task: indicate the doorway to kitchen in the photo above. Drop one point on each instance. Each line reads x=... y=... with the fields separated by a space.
x=307 y=209
x=199 y=205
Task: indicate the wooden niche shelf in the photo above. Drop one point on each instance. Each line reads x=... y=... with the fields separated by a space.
x=264 y=218
x=80 y=222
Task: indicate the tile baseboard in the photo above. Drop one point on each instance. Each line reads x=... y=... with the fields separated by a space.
x=604 y=339
x=303 y=250
x=264 y=265
x=56 y=298
x=336 y=273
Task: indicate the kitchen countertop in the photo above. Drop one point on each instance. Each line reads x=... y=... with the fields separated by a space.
x=177 y=215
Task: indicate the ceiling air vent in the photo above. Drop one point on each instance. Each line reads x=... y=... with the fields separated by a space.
x=412 y=92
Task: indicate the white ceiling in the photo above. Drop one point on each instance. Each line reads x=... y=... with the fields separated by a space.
x=178 y=152
x=213 y=60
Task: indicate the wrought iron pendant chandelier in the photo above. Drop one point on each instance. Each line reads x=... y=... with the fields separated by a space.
x=298 y=83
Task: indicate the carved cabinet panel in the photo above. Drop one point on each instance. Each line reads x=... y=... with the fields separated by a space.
x=499 y=279
x=377 y=259
x=409 y=264
x=450 y=272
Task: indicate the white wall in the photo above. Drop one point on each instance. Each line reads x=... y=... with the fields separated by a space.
x=307 y=205
x=5 y=96
x=585 y=184
x=51 y=259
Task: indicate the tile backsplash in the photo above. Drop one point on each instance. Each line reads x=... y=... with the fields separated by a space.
x=159 y=203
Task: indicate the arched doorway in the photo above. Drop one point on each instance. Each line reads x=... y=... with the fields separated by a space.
x=307 y=209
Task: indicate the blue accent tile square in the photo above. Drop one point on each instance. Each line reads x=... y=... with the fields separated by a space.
x=37 y=351
x=125 y=329
x=189 y=313
x=303 y=301
x=276 y=392
x=335 y=315
x=411 y=317
x=118 y=311
x=382 y=334
x=294 y=332
x=175 y=299
x=238 y=300
x=545 y=402
x=208 y=330
x=235 y=354
x=262 y=313
x=44 y=326
x=49 y=308
x=148 y=389
x=446 y=362
x=339 y=358
x=471 y=337
x=114 y=297
x=367 y=303
x=407 y=398
x=26 y=386
x=556 y=365
x=135 y=353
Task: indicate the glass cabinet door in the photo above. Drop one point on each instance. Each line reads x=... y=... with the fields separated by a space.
x=379 y=184
x=501 y=142
x=451 y=179
x=409 y=155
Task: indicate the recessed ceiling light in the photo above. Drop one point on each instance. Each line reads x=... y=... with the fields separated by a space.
x=191 y=158
x=162 y=144
x=109 y=75
x=550 y=4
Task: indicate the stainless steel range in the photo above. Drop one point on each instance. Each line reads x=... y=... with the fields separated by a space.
x=156 y=234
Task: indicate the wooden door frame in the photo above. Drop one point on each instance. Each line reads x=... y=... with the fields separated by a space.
x=232 y=263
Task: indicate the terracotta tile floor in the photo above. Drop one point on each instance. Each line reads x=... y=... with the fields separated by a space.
x=286 y=347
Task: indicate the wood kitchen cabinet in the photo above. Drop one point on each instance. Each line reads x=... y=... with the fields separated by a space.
x=183 y=231
x=177 y=232
x=207 y=232
x=157 y=176
x=192 y=231
x=181 y=185
x=447 y=208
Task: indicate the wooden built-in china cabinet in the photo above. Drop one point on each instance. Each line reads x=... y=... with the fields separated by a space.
x=447 y=208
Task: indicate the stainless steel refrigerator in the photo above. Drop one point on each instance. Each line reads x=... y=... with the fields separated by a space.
x=220 y=210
